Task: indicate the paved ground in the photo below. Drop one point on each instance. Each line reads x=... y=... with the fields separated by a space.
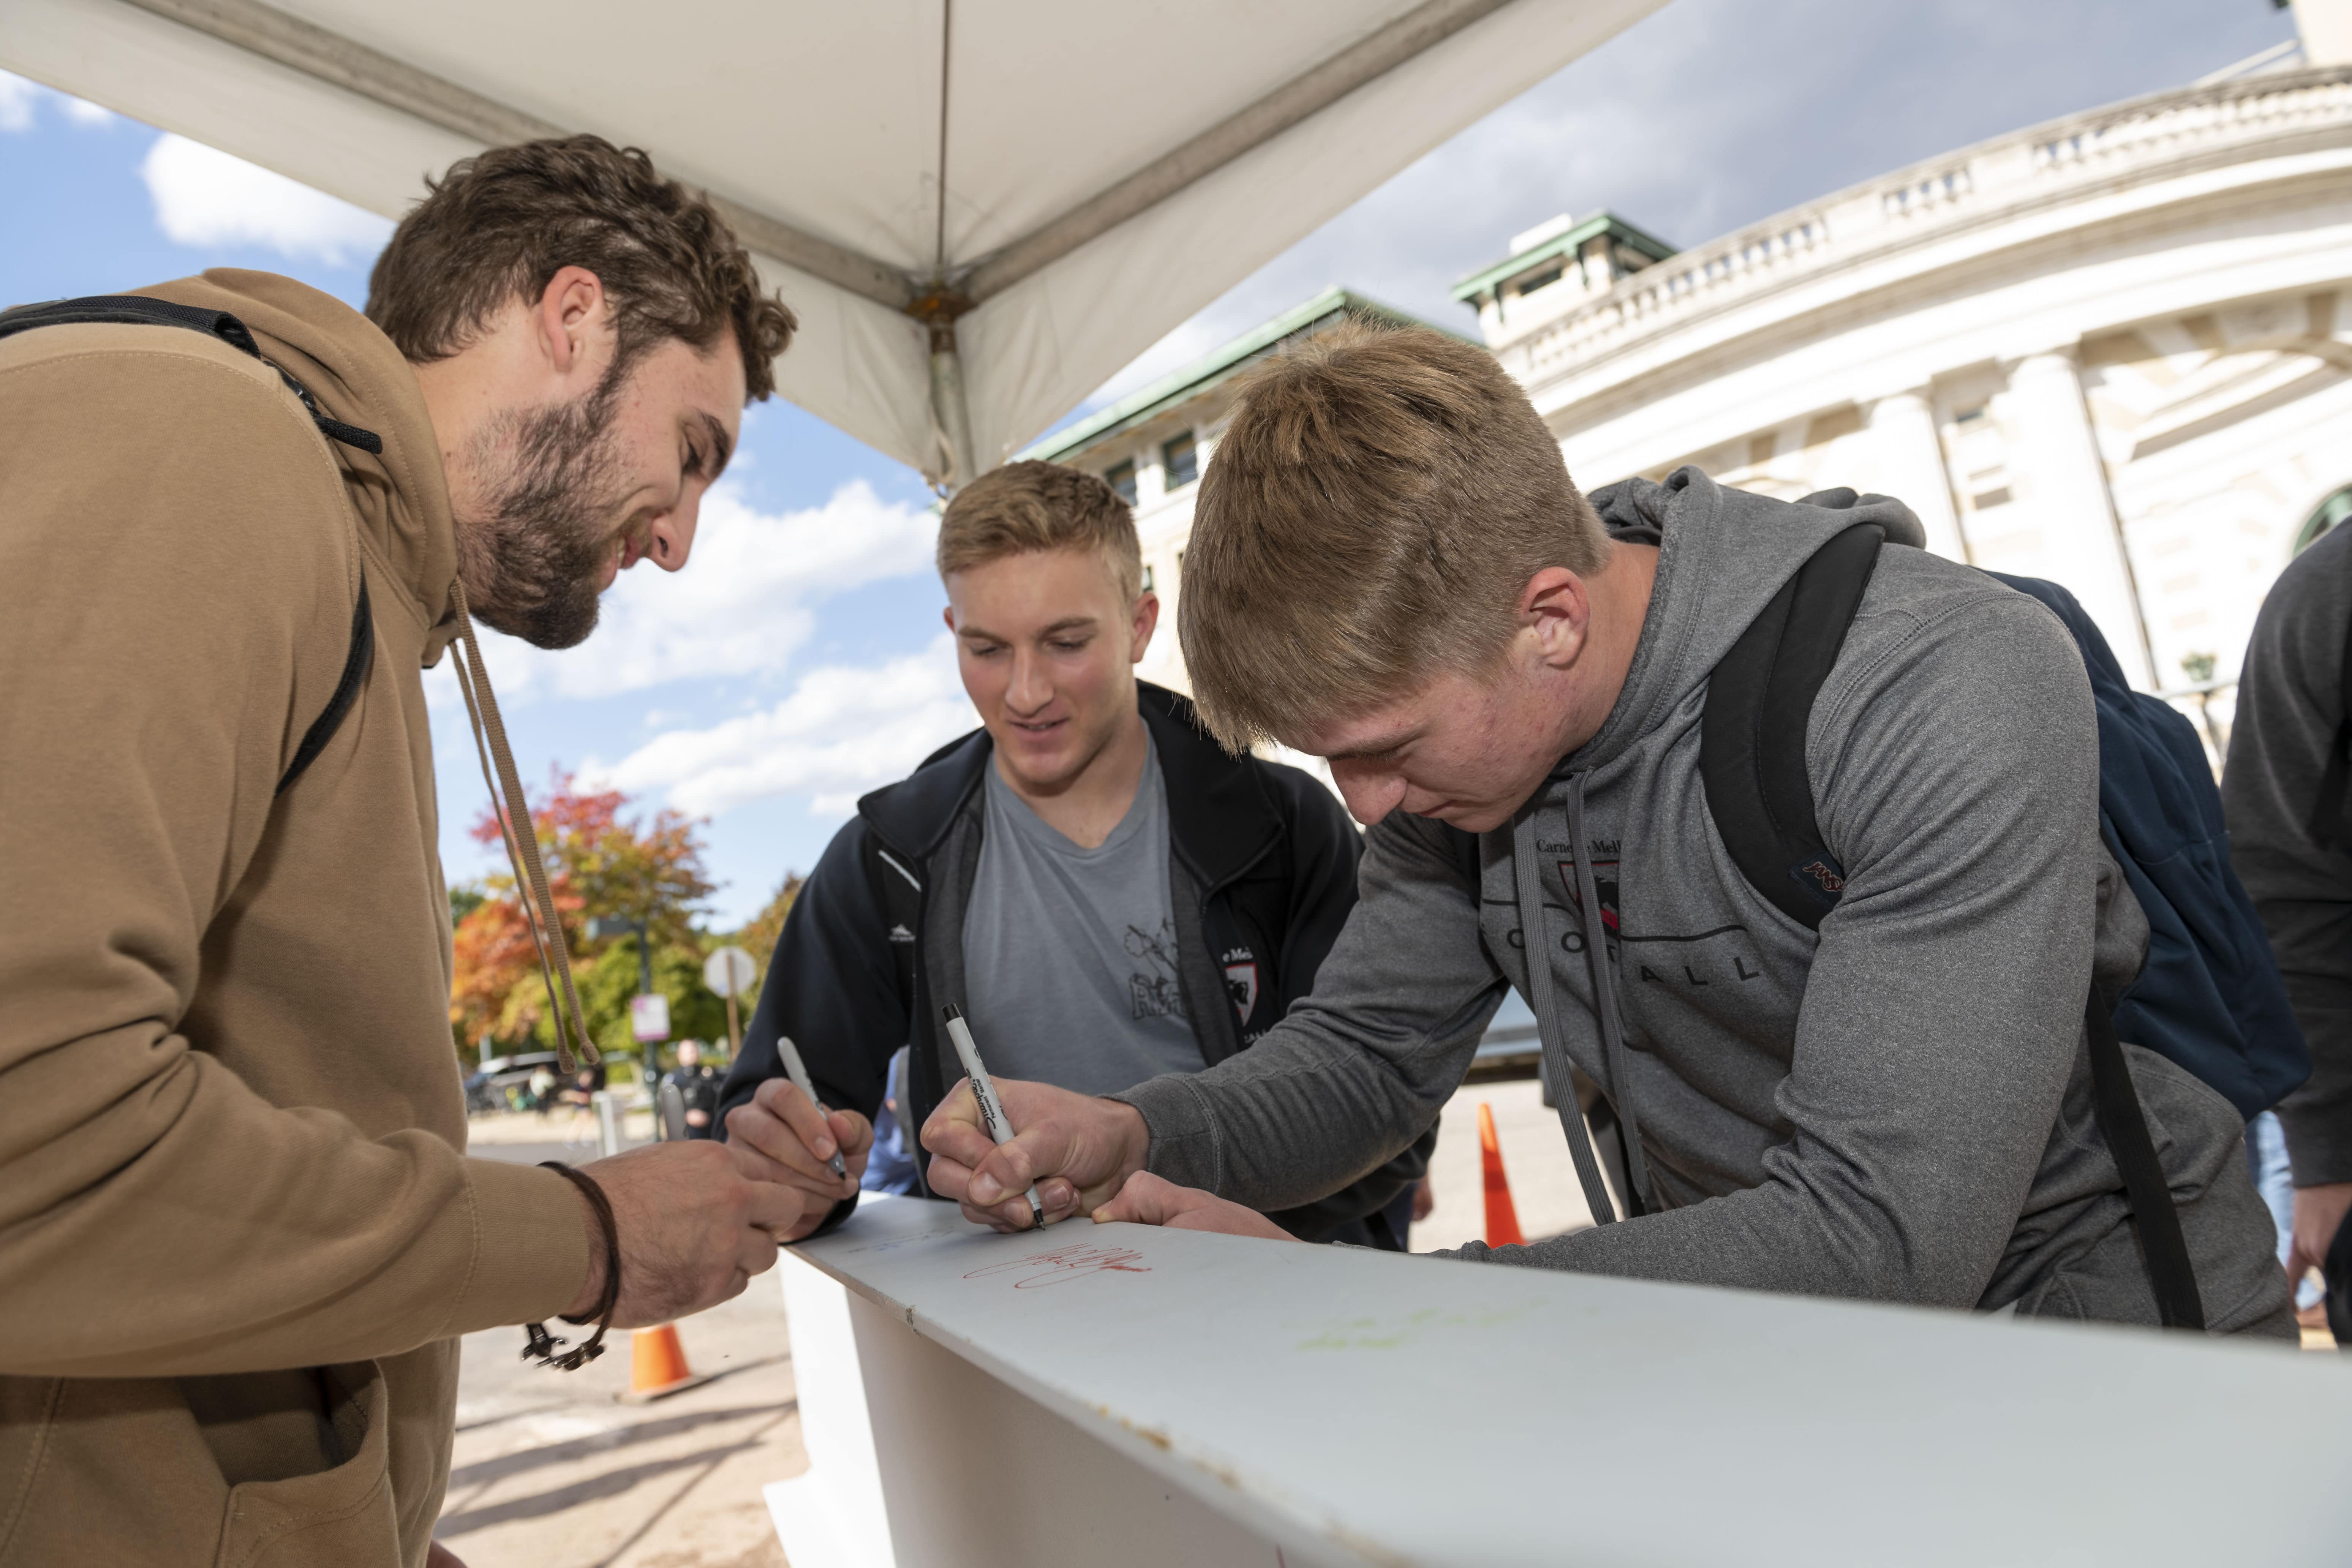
x=552 y=1470
x=1535 y=1162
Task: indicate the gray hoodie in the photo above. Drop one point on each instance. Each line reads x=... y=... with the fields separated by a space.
x=1897 y=1107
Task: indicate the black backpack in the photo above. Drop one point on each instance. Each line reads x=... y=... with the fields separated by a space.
x=2209 y=997
x=136 y=309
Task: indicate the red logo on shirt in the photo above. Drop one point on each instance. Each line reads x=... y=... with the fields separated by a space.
x=1241 y=984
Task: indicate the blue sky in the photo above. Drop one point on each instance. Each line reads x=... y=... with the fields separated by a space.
x=797 y=661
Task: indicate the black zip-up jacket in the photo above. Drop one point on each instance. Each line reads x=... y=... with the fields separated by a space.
x=1261 y=875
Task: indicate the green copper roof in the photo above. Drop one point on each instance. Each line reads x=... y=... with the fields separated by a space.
x=1564 y=244
x=1209 y=369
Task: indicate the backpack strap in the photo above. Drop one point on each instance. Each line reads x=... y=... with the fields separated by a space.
x=138 y=310
x=1759 y=702
x=1751 y=752
x=356 y=664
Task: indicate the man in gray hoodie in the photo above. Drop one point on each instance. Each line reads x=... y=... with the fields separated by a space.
x=1390 y=568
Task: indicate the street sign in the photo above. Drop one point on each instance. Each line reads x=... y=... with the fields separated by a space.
x=729 y=972
x=649 y=1016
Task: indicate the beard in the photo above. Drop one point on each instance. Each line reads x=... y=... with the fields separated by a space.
x=544 y=519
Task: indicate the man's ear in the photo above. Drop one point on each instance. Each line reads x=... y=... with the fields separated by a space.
x=1147 y=621
x=573 y=322
x=1555 y=610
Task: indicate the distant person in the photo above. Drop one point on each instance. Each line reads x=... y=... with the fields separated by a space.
x=891 y=1162
x=1107 y=893
x=581 y=1096
x=697 y=1082
x=2288 y=794
x=239 y=1236
x=1866 y=1074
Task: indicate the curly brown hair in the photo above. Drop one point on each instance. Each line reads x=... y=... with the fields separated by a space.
x=499 y=226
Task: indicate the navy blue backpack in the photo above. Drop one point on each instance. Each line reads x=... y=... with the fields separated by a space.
x=2208 y=997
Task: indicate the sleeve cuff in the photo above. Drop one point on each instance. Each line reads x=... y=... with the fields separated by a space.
x=1185 y=1149
x=531 y=1246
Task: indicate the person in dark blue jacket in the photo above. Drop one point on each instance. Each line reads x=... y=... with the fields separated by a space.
x=1107 y=895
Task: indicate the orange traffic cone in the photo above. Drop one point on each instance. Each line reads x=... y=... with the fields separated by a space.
x=1502 y=1219
x=657 y=1366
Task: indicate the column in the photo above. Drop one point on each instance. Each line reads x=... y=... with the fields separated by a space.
x=1908 y=457
x=2057 y=454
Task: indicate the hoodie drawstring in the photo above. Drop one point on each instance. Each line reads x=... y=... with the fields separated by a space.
x=512 y=809
x=1604 y=1002
x=1536 y=941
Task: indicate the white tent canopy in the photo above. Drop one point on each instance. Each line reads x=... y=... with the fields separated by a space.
x=978 y=211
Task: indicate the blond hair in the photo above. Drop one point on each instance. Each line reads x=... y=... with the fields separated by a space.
x=1026 y=507
x=1374 y=509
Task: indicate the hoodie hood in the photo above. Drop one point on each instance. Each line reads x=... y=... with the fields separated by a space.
x=402 y=497
x=1722 y=554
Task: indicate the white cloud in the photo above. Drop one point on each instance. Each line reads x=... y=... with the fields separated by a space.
x=744 y=602
x=206 y=197
x=843 y=731
x=17 y=96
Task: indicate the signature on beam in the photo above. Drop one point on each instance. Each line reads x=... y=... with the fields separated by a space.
x=1063 y=1264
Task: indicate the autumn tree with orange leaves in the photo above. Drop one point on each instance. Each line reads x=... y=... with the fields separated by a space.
x=597 y=864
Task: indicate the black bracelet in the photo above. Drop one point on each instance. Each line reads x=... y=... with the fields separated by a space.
x=541 y=1346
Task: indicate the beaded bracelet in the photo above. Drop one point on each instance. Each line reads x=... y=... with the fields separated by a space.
x=541 y=1346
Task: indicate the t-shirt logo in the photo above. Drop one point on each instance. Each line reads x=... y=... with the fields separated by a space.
x=1241 y=984
x=1154 y=992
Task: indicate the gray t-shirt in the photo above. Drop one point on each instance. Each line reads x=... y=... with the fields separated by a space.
x=1069 y=954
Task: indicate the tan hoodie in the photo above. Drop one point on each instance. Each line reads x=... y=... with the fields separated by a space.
x=239 y=1232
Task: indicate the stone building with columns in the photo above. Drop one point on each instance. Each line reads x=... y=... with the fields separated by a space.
x=2114 y=350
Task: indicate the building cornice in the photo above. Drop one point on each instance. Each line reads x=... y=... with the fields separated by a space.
x=1564 y=245
x=1922 y=211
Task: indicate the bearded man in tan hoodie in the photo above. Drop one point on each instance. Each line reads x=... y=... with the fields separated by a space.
x=239 y=1236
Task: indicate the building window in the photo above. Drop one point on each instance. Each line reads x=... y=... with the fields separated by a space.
x=1535 y=280
x=1122 y=478
x=1182 y=458
x=1148 y=585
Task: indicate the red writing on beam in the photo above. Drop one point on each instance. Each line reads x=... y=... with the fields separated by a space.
x=1064 y=1264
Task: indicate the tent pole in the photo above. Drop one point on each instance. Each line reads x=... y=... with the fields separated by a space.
x=950 y=421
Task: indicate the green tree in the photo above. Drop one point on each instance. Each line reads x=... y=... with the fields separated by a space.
x=597 y=864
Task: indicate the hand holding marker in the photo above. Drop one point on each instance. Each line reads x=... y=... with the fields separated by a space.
x=797 y=1070
x=992 y=1113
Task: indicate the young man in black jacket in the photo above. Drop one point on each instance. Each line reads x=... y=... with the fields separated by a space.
x=1106 y=893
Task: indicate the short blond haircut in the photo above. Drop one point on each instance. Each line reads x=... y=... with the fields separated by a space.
x=1024 y=507
x=1373 y=511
